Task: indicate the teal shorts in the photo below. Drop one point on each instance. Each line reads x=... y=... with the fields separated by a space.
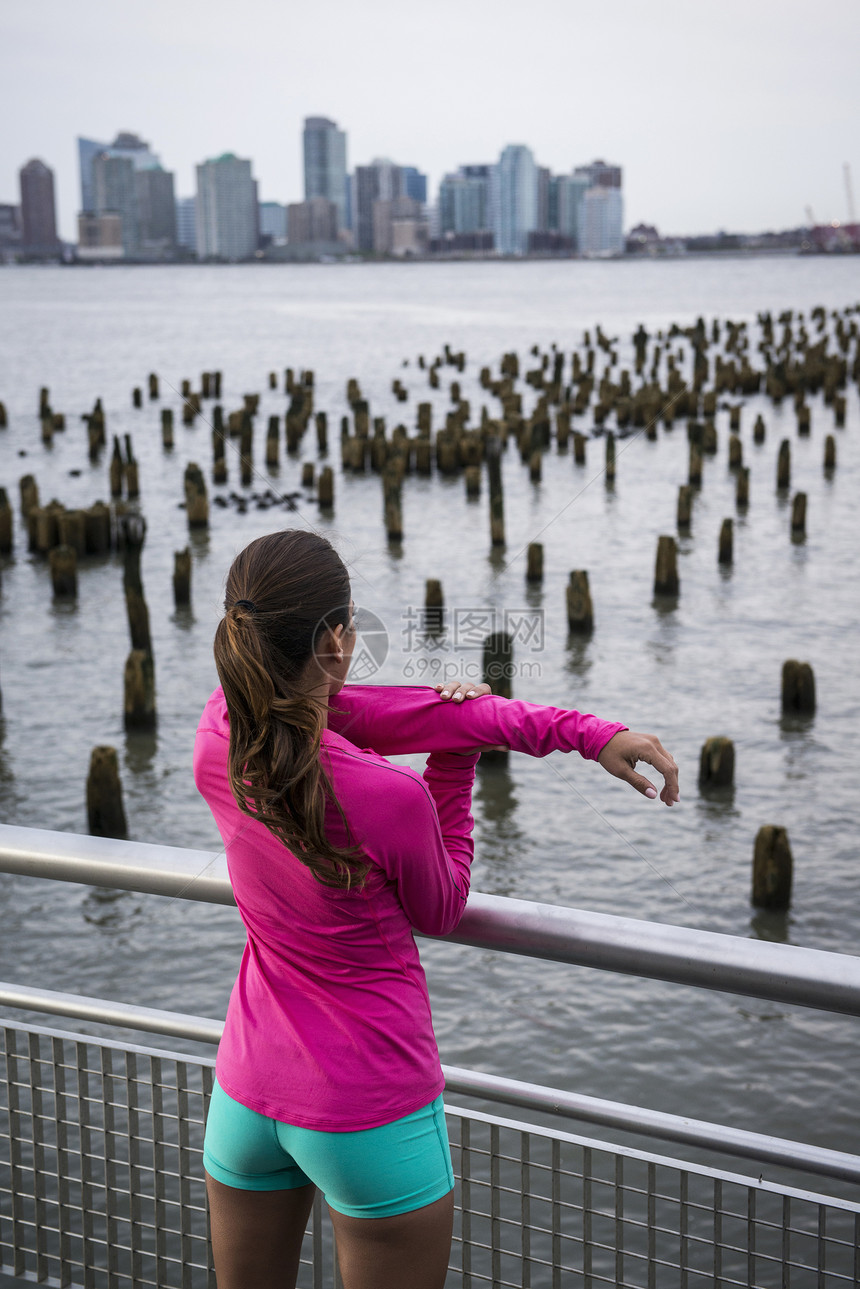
x=376 y=1172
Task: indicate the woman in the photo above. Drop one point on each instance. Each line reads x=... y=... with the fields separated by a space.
x=328 y=1073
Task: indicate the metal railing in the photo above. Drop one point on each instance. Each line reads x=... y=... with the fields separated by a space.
x=540 y=1205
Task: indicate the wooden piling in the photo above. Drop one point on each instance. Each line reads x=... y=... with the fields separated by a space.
x=133 y=534
x=273 y=441
x=742 y=488
x=685 y=507
x=798 y=688
x=4 y=419
x=325 y=488
x=694 y=469
x=759 y=429
x=725 y=554
x=783 y=466
x=803 y=420
x=772 y=868
x=494 y=480
x=798 y=516
x=64 y=572
x=137 y=397
x=72 y=530
x=246 y=448
x=610 y=457
x=153 y=385
x=167 y=427
x=7 y=526
x=139 y=691
x=580 y=610
x=392 y=501
x=498 y=663
x=115 y=470
x=534 y=562
x=434 y=606
x=196 y=500
x=830 y=453
x=308 y=471
x=717 y=763
x=182 y=578
x=666 y=580
x=105 y=811
x=97 y=521
x=321 y=422
x=579 y=441
x=536 y=465
x=472 y=475
x=736 y=452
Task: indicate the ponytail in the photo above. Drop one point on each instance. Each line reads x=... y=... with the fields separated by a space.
x=296 y=589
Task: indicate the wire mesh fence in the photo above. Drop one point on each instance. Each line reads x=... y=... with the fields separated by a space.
x=101 y=1186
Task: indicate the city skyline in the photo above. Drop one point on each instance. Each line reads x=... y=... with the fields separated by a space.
x=723 y=116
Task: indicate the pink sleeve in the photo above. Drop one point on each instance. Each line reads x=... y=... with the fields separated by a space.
x=395 y=719
x=422 y=840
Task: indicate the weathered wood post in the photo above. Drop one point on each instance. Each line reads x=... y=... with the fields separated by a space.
x=196 y=500
x=182 y=578
x=803 y=420
x=29 y=493
x=167 y=428
x=98 y=528
x=308 y=472
x=534 y=562
x=434 y=606
x=610 y=457
x=273 y=441
x=325 y=488
x=321 y=422
x=64 y=571
x=685 y=507
x=742 y=488
x=694 y=469
x=392 y=497
x=717 y=763
x=115 y=469
x=498 y=663
x=133 y=530
x=219 y=446
x=736 y=452
x=798 y=688
x=783 y=466
x=246 y=448
x=105 y=811
x=137 y=397
x=494 y=480
x=829 y=454
x=7 y=527
x=579 y=442
x=153 y=385
x=798 y=516
x=129 y=472
x=472 y=476
x=666 y=580
x=580 y=611
x=759 y=429
x=772 y=868
x=139 y=691
x=726 y=545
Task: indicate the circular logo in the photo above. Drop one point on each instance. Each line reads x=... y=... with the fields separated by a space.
x=370 y=649
x=371 y=646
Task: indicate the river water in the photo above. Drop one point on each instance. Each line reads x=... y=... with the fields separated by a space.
x=558 y=831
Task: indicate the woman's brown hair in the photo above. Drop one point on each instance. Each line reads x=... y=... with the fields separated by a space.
x=284 y=592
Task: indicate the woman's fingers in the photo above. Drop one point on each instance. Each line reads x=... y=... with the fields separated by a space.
x=626 y=749
x=460 y=689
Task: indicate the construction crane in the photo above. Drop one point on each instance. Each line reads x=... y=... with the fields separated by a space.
x=849 y=194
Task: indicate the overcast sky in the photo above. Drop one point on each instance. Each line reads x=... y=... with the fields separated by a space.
x=736 y=115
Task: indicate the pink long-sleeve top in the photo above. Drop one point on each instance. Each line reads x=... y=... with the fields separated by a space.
x=328 y=1025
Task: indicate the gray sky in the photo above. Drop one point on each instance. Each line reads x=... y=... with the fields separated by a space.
x=735 y=115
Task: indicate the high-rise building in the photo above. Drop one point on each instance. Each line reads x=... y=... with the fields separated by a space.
x=543 y=180
x=273 y=223
x=156 y=209
x=312 y=221
x=125 y=144
x=186 y=223
x=115 y=192
x=566 y=196
x=100 y=236
x=599 y=175
x=414 y=184
x=382 y=180
x=324 y=150
x=514 y=193
x=602 y=230
x=464 y=201
x=10 y=227
x=227 y=221
x=38 y=209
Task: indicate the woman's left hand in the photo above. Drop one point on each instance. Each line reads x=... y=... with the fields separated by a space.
x=457 y=690
x=626 y=748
